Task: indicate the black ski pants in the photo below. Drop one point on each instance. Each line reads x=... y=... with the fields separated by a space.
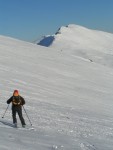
x=17 y=109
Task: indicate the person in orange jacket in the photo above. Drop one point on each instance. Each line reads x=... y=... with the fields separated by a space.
x=17 y=103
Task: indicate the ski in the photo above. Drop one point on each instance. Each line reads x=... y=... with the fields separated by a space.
x=16 y=126
x=26 y=128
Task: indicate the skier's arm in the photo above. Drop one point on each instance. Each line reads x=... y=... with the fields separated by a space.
x=23 y=101
x=9 y=100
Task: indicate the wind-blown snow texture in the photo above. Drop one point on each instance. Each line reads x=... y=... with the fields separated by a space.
x=69 y=98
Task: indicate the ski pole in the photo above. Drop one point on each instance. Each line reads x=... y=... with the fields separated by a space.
x=5 y=111
x=27 y=116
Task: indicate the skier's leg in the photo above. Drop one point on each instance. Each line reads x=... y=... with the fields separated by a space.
x=14 y=115
x=21 y=117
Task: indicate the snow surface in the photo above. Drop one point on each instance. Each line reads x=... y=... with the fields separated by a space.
x=69 y=98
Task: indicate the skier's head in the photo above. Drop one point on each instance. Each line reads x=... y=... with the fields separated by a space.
x=16 y=93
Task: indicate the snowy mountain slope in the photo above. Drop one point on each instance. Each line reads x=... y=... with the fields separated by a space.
x=90 y=44
x=69 y=99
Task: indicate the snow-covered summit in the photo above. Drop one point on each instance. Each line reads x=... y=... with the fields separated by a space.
x=72 y=27
x=80 y=41
x=79 y=37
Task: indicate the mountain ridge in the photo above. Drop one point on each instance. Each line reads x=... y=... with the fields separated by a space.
x=73 y=30
x=80 y=41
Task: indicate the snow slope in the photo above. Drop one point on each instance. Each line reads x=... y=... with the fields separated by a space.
x=90 y=44
x=68 y=99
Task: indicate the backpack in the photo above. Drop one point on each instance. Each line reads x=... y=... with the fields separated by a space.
x=16 y=100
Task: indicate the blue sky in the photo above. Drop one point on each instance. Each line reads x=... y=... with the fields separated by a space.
x=30 y=19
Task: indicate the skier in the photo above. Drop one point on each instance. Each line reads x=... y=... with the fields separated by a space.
x=17 y=103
